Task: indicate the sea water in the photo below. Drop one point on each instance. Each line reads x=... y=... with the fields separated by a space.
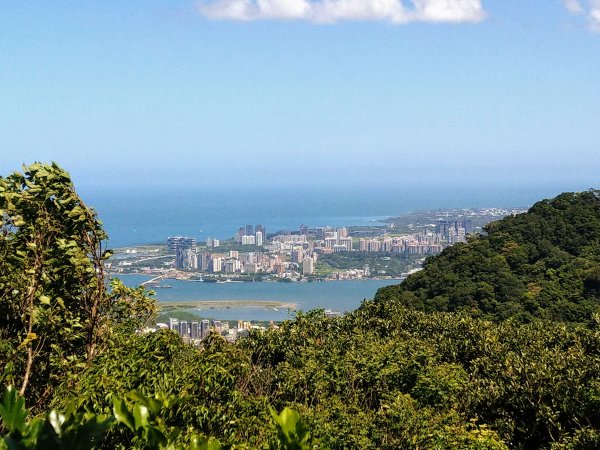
x=149 y=214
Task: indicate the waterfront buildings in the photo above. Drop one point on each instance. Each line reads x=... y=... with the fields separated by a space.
x=294 y=254
x=215 y=265
x=175 y=243
x=308 y=266
x=186 y=259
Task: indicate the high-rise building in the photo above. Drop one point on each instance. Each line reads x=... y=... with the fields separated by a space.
x=230 y=266
x=261 y=228
x=444 y=227
x=249 y=230
x=248 y=240
x=204 y=328
x=342 y=232
x=386 y=245
x=331 y=234
x=181 y=242
x=195 y=333
x=308 y=266
x=204 y=261
x=240 y=233
x=467 y=224
x=174 y=324
x=216 y=265
x=297 y=255
x=183 y=329
x=259 y=238
x=370 y=245
x=330 y=242
x=218 y=326
x=185 y=259
x=212 y=242
x=346 y=242
x=250 y=267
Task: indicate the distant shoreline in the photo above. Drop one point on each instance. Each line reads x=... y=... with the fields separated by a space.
x=324 y=280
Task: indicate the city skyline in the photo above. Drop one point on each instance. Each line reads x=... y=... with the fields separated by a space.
x=303 y=92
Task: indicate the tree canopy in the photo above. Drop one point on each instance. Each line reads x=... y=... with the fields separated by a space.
x=542 y=264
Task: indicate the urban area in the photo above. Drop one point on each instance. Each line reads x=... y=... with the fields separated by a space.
x=290 y=255
x=394 y=249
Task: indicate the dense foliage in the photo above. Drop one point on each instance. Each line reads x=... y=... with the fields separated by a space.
x=382 y=377
x=541 y=264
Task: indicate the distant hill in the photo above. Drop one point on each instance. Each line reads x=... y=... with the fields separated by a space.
x=541 y=264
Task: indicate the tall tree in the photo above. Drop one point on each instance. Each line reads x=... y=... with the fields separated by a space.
x=53 y=293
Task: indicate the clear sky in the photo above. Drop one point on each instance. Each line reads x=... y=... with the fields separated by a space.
x=303 y=91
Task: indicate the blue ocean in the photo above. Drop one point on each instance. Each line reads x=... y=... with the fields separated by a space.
x=149 y=214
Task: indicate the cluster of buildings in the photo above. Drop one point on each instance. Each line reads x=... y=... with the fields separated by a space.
x=333 y=241
x=285 y=253
x=321 y=240
x=424 y=243
x=250 y=235
x=454 y=230
x=297 y=252
x=194 y=332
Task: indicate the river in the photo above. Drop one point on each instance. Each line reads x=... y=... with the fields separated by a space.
x=343 y=295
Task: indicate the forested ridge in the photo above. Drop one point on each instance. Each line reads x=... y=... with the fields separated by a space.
x=542 y=264
x=514 y=365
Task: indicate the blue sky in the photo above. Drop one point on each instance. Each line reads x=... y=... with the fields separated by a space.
x=233 y=92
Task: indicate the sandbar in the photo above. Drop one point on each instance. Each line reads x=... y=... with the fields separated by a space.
x=225 y=304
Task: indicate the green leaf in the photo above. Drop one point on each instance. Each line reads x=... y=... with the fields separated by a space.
x=140 y=416
x=13 y=411
x=122 y=413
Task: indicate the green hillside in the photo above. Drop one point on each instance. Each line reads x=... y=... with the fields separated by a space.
x=541 y=264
